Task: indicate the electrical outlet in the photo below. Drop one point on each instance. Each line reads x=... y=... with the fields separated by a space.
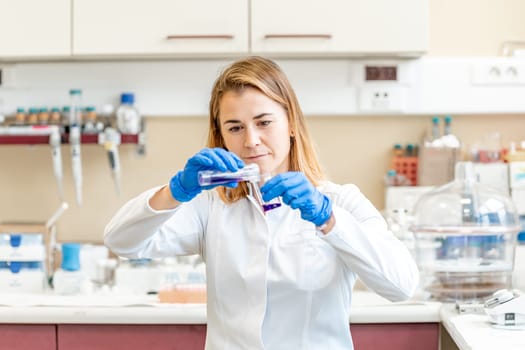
x=379 y=98
x=508 y=72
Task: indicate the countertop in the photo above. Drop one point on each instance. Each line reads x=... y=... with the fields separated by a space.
x=469 y=331
x=106 y=309
x=474 y=331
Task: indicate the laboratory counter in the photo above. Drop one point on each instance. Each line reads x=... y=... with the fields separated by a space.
x=367 y=307
x=102 y=322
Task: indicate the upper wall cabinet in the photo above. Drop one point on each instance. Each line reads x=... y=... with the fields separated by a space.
x=156 y=27
x=339 y=27
x=35 y=28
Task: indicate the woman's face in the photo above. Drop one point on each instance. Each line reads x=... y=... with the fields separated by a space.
x=255 y=128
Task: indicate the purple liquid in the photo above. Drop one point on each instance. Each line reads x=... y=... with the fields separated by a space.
x=216 y=180
x=270 y=206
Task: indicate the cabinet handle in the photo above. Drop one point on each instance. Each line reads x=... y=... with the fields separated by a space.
x=298 y=36
x=200 y=36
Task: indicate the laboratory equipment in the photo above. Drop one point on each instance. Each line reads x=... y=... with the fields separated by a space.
x=506 y=309
x=20 y=117
x=90 y=123
x=129 y=120
x=22 y=268
x=43 y=116
x=56 y=154
x=249 y=173
x=210 y=177
x=111 y=142
x=435 y=141
x=465 y=237
x=75 y=120
x=70 y=279
x=138 y=276
x=448 y=138
x=54 y=117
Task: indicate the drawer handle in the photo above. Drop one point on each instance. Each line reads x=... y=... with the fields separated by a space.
x=298 y=36
x=200 y=36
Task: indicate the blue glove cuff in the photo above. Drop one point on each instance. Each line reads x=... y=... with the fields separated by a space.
x=178 y=192
x=324 y=213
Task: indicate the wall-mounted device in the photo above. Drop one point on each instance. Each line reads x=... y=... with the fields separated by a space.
x=382 y=86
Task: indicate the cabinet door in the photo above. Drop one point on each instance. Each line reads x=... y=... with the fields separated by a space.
x=325 y=27
x=35 y=28
x=395 y=336
x=131 y=337
x=146 y=27
x=27 y=337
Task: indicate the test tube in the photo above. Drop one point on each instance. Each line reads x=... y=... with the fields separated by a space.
x=249 y=173
x=210 y=177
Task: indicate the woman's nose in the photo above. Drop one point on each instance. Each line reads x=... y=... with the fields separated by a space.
x=252 y=138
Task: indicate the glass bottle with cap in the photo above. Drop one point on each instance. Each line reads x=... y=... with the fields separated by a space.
x=129 y=120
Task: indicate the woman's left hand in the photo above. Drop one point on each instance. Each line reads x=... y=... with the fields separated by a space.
x=297 y=192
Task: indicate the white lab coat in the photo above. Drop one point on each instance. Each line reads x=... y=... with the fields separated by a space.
x=273 y=281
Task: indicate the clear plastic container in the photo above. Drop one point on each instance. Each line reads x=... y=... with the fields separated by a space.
x=465 y=239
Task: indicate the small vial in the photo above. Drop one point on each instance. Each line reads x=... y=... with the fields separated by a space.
x=20 y=117
x=90 y=120
x=32 y=117
x=54 y=117
x=210 y=177
x=43 y=116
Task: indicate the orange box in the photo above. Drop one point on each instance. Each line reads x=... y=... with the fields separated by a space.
x=184 y=294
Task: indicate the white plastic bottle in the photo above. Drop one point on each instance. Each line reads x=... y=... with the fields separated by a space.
x=129 y=120
x=70 y=279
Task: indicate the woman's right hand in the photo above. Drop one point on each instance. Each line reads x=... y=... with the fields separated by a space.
x=184 y=186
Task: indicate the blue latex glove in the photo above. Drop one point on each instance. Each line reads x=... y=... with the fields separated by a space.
x=297 y=192
x=184 y=186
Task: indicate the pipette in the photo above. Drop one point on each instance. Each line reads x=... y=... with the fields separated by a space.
x=75 y=120
x=56 y=154
x=111 y=142
x=76 y=161
x=58 y=213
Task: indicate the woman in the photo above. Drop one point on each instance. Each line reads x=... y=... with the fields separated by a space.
x=280 y=279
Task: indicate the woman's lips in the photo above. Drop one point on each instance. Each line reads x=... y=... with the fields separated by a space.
x=257 y=157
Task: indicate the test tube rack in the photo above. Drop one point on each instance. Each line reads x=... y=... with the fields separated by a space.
x=406 y=166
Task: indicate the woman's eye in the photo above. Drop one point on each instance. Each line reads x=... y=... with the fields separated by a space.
x=265 y=122
x=234 y=129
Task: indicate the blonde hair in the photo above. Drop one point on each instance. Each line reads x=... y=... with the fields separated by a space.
x=267 y=77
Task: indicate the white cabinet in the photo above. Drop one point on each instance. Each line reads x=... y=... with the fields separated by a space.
x=181 y=28
x=153 y=27
x=35 y=28
x=339 y=27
